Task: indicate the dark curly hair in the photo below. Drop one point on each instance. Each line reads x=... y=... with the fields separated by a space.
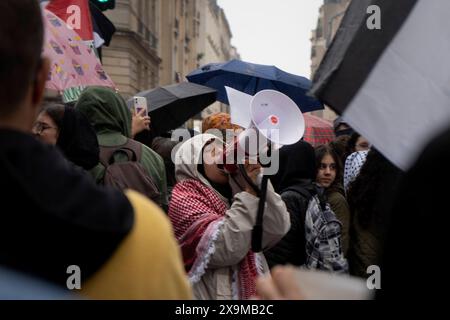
x=371 y=193
x=321 y=152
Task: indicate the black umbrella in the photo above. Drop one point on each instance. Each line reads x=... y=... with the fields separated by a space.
x=171 y=106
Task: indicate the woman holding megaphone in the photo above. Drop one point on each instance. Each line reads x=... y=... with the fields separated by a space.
x=213 y=213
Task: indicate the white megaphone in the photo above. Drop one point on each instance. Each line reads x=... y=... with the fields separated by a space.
x=270 y=117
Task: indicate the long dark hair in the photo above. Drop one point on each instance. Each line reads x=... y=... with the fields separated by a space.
x=77 y=138
x=370 y=194
x=339 y=145
x=321 y=152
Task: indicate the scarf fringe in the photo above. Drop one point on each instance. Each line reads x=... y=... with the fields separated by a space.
x=235 y=285
x=259 y=264
x=201 y=263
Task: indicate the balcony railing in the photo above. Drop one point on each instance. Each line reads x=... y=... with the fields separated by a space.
x=147 y=35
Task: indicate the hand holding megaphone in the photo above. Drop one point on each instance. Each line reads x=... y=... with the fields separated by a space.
x=247 y=178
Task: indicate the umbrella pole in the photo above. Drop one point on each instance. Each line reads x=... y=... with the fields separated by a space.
x=258 y=228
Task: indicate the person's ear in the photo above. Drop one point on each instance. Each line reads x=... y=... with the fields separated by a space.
x=39 y=84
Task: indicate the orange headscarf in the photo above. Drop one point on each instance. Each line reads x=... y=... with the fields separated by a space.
x=221 y=121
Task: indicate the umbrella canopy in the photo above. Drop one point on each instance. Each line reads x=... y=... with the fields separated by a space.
x=73 y=64
x=251 y=78
x=171 y=106
x=318 y=131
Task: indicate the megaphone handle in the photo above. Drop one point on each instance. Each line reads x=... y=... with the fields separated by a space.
x=257 y=232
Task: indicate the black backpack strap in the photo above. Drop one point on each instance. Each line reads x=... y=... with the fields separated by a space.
x=320 y=192
x=308 y=194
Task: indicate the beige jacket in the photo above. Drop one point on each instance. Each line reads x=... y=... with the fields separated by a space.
x=233 y=238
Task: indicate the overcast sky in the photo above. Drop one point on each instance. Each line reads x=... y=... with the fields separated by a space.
x=275 y=32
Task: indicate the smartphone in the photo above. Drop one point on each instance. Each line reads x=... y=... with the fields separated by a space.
x=140 y=103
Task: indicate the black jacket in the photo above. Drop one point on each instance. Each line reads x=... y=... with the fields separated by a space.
x=294 y=182
x=52 y=215
x=291 y=249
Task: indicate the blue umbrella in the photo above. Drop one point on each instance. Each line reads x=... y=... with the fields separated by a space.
x=252 y=78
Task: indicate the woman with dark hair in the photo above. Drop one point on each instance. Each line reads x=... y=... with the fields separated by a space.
x=71 y=132
x=369 y=198
x=213 y=214
x=357 y=143
x=48 y=123
x=314 y=239
x=329 y=177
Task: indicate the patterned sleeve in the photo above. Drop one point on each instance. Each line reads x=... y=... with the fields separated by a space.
x=323 y=240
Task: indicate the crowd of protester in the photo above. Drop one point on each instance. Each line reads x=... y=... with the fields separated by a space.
x=186 y=230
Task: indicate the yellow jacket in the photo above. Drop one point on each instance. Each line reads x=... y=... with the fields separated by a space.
x=147 y=265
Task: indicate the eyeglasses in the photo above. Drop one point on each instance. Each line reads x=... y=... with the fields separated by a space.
x=40 y=127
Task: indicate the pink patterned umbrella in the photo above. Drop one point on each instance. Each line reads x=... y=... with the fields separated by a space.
x=318 y=131
x=73 y=63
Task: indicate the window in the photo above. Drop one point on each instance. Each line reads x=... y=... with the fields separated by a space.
x=139 y=74
x=182 y=8
x=175 y=60
x=176 y=28
x=319 y=30
x=139 y=17
x=153 y=80
x=153 y=16
x=145 y=79
x=145 y=14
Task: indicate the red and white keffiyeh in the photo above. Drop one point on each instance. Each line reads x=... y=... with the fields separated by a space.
x=197 y=214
